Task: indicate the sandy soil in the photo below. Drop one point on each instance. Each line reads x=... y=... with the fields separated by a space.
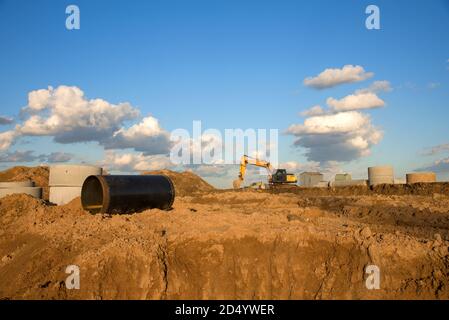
x=39 y=175
x=232 y=245
x=186 y=183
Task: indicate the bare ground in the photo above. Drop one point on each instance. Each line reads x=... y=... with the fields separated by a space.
x=231 y=245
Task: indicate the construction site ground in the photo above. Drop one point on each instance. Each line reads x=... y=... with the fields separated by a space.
x=225 y=244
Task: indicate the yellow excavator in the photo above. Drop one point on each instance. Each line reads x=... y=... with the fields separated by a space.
x=279 y=177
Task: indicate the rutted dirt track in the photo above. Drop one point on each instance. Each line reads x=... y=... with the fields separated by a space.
x=235 y=245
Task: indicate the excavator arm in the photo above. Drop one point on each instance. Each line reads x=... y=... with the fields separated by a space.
x=245 y=160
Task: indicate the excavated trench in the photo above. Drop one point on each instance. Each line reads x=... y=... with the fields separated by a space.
x=229 y=245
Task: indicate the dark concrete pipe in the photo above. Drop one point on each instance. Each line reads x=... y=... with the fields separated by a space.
x=127 y=193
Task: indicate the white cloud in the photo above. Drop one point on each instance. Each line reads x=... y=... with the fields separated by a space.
x=365 y=98
x=341 y=132
x=343 y=136
x=28 y=156
x=18 y=156
x=68 y=116
x=207 y=148
x=356 y=101
x=333 y=77
x=5 y=120
x=7 y=139
x=313 y=111
x=212 y=170
x=377 y=86
x=148 y=127
x=130 y=162
x=343 y=122
x=55 y=157
x=437 y=149
x=212 y=145
x=439 y=166
x=147 y=137
x=297 y=167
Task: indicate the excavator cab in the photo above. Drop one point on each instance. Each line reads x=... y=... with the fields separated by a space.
x=281 y=176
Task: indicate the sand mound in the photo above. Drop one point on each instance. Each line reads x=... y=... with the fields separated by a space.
x=186 y=183
x=298 y=244
x=418 y=189
x=18 y=203
x=39 y=175
x=229 y=245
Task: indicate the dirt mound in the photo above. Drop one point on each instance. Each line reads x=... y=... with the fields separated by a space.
x=19 y=203
x=422 y=189
x=229 y=245
x=186 y=183
x=419 y=189
x=39 y=175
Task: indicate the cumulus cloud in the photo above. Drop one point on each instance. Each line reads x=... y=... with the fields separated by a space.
x=343 y=136
x=18 y=156
x=206 y=148
x=437 y=149
x=7 y=139
x=333 y=77
x=335 y=123
x=365 y=98
x=313 y=111
x=439 y=166
x=377 y=86
x=297 y=167
x=130 y=162
x=147 y=137
x=67 y=115
x=212 y=170
x=357 y=101
x=5 y=120
x=29 y=156
x=55 y=157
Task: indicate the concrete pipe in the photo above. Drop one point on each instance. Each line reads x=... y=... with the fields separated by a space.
x=380 y=175
x=16 y=184
x=420 y=177
x=63 y=195
x=127 y=193
x=32 y=191
x=71 y=175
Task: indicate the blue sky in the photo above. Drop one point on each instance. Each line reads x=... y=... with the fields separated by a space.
x=234 y=64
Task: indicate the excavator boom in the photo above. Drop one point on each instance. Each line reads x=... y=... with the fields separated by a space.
x=280 y=176
x=244 y=161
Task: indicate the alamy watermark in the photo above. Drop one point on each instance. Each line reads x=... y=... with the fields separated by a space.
x=372 y=22
x=211 y=146
x=373 y=280
x=73 y=280
x=73 y=21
